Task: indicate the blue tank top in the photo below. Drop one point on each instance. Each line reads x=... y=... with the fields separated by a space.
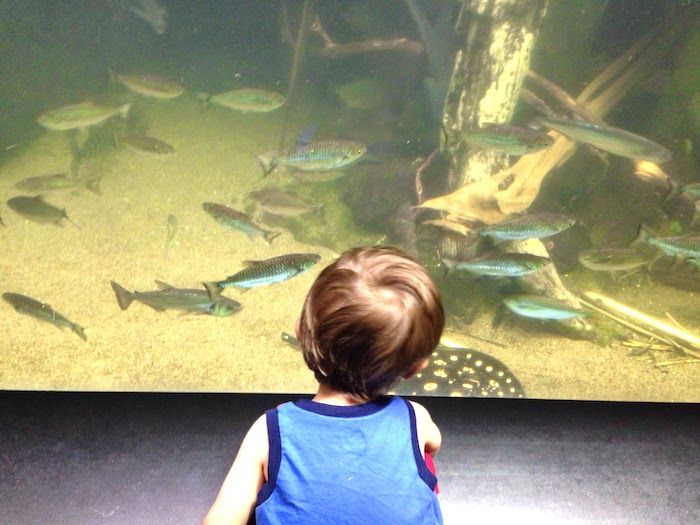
x=346 y=465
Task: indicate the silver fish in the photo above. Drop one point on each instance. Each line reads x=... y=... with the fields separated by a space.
x=35 y=209
x=513 y=140
x=282 y=204
x=538 y=307
x=274 y=270
x=315 y=156
x=151 y=12
x=532 y=226
x=612 y=259
x=42 y=311
x=611 y=139
x=168 y=297
x=230 y=218
x=501 y=264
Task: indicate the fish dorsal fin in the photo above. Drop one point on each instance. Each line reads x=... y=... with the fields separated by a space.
x=250 y=263
x=163 y=286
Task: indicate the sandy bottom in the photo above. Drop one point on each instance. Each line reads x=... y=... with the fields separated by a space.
x=122 y=238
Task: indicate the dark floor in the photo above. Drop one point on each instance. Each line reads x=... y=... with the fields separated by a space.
x=159 y=459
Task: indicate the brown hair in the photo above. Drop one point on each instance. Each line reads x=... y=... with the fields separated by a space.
x=369 y=318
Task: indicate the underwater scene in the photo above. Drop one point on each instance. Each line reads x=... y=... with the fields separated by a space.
x=174 y=175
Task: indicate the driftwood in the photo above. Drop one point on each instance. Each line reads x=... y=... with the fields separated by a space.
x=485 y=201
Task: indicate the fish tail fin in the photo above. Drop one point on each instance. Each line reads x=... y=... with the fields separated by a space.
x=124 y=296
x=94 y=185
x=643 y=233
x=80 y=331
x=124 y=110
x=270 y=236
x=213 y=289
x=70 y=220
x=268 y=163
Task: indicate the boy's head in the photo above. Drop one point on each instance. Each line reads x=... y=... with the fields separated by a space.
x=370 y=317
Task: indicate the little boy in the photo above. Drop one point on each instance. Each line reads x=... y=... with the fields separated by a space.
x=351 y=455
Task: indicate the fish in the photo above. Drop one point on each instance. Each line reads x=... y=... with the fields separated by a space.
x=42 y=311
x=315 y=156
x=363 y=94
x=608 y=138
x=274 y=270
x=171 y=237
x=145 y=145
x=168 y=297
x=513 y=140
x=153 y=86
x=35 y=209
x=501 y=264
x=235 y=220
x=533 y=226
x=282 y=204
x=539 y=307
x=246 y=100
x=682 y=246
x=56 y=182
x=455 y=371
x=80 y=115
x=151 y=12
x=613 y=259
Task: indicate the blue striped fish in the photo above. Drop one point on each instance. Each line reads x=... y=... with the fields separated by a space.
x=315 y=156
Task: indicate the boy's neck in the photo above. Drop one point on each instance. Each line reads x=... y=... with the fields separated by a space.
x=327 y=396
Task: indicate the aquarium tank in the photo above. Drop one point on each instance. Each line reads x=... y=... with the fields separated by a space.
x=174 y=175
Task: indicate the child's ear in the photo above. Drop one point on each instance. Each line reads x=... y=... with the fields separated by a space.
x=296 y=327
x=413 y=371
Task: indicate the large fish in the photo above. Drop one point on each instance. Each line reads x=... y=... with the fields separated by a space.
x=610 y=139
x=168 y=297
x=230 y=218
x=282 y=204
x=56 y=182
x=533 y=226
x=500 y=264
x=274 y=270
x=538 y=307
x=683 y=246
x=80 y=115
x=454 y=371
x=315 y=156
x=613 y=259
x=513 y=140
x=145 y=145
x=35 y=209
x=42 y=311
x=246 y=100
x=153 y=86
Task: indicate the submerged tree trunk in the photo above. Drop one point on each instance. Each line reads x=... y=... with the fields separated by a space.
x=498 y=37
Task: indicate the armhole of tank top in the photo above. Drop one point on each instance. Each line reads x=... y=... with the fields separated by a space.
x=423 y=471
x=275 y=455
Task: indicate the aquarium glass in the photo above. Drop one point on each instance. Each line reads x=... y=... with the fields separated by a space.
x=150 y=150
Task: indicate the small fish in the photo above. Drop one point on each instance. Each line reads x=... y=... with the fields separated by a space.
x=513 y=140
x=538 y=307
x=80 y=115
x=42 y=311
x=171 y=237
x=683 y=246
x=315 y=156
x=151 y=12
x=282 y=204
x=534 y=226
x=612 y=259
x=455 y=371
x=230 y=218
x=153 y=86
x=35 y=209
x=610 y=139
x=145 y=145
x=168 y=297
x=56 y=182
x=501 y=264
x=363 y=94
x=274 y=270
x=246 y=100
